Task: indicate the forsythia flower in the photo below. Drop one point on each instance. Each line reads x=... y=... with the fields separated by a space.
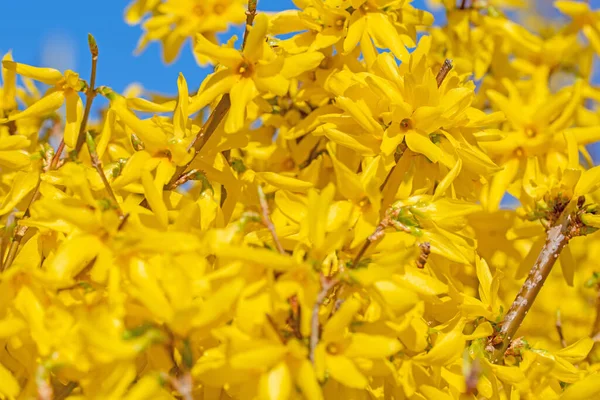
x=326 y=217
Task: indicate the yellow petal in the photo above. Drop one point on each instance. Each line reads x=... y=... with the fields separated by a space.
x=589 y=182
x=343 y=370
x=147 y=131
x=423 y=145
x=22 y=185
x=567 y=265
x=223 y=55
x=180 y=115
x=139 y=104
x=41 y=108
x=277 y=383
x=9 y=386
x=306 y=380
x=242 y=93
x=383 y=31
x=106 y=133
x=147 y=387
x=300 y=63
x=258 y=357
x=215 y=85
x=72 y=256
x=358 y=24
x=264 y=257
x=74 y=118
x=8 y=101
x=48 y=76
x=577 y=351
x=397 y=297
x=500 y=183
x=372 y=346
x=447 y=348
x=337 y=324
x=284 y=182
x=448 y=180
x=256 y=38
x=348 y=183
x=155 y=199
x=587 y=388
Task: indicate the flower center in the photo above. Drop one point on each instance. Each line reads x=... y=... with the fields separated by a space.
x=531 y=132
x=198 y=10
x=406 y=124
x=219 y=9
x=245 y=69
x=333 y=348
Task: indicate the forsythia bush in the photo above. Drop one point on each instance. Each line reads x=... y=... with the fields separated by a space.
x=320 y=219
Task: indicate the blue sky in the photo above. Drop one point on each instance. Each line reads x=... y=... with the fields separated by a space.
x=54 y=33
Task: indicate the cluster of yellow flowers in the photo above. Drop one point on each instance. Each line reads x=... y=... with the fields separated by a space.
x=320 y=220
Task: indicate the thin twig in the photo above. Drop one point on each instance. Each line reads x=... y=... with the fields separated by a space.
x=559 y=329
x=209 y=127
x=183 y=384
x=295 y=318
x=557 y=237
x=361 y=252
x=90 y=94
x=443 y=72
x=65 y=391
x=271 y=322
x=98 y=166
x=327 y=283
x=57 y=154
x=186 y=177
x=266 y=218
x=250 y=14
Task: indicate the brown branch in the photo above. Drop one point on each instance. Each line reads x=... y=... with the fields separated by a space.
x=295 y=317
x=186 y=177
x=266 y=218
x=98 y=167
x=559 y=329
x=327 y=283
x=90 y=94
x=443 y=72
x=557 y=237
x=271 y=322
x=250 y=14
x=65 y=390
x=209 y=127
x=182 y=384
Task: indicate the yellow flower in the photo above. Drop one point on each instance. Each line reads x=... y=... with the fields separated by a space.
x=65 y=90
x=584 y=19
x=257 y=69
x=174 y=21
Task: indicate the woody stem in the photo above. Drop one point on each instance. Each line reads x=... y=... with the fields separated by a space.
x=557 y=238
x=327 y=284
x=250 y=14
x=90 y=94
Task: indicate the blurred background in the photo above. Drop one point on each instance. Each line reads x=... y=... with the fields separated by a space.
x=54 y=34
